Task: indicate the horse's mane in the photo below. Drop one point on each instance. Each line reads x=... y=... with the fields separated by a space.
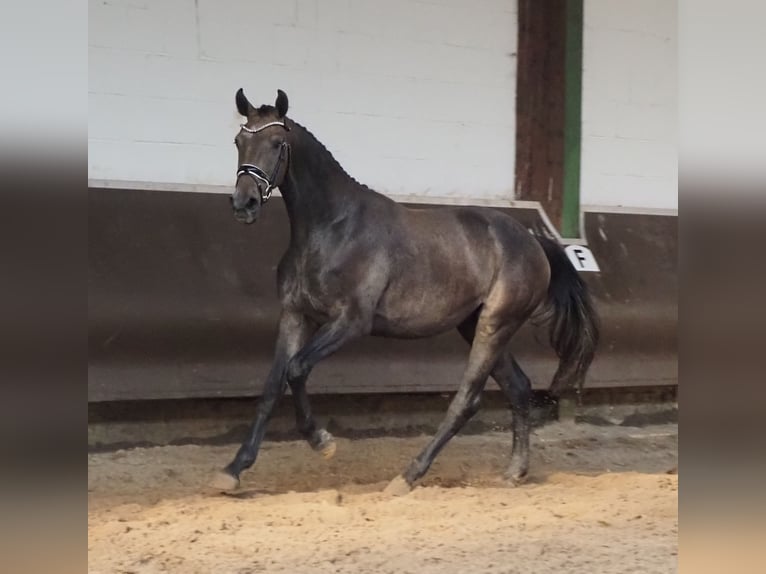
x=331 y=158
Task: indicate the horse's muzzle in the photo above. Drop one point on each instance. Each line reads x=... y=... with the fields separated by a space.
x=247 y=213
x=244 y=216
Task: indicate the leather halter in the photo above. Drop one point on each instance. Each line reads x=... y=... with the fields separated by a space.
x=259 y=174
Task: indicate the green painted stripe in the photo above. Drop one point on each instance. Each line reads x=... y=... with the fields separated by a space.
x=570 y=219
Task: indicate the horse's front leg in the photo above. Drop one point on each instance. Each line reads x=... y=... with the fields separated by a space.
x=329 y=338
x=317 y=437
x=293 y=332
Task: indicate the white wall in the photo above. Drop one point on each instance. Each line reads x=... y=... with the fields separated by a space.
x=412 y=97
x=630 y=104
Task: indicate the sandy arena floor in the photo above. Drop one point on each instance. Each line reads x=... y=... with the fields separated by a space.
x=599 y=500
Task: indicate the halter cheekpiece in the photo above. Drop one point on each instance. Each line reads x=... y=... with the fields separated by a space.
x=256 y=172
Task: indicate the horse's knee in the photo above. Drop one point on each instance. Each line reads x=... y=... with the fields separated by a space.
x=295 y=371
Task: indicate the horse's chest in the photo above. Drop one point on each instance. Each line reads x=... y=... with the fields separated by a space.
x=306 y=291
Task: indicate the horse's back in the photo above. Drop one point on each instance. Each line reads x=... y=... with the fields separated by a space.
x=482 y=235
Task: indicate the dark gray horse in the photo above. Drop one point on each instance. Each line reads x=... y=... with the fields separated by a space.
x=358 y=263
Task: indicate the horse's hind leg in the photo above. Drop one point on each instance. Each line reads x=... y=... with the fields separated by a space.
x=492 y=336
x=518 y=390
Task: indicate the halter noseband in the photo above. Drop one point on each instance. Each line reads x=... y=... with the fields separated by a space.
x=256 y=172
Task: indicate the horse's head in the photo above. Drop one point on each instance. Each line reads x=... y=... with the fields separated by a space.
x=264 y=155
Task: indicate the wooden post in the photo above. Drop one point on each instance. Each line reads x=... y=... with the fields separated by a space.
x=548 y=103
x=540 y=104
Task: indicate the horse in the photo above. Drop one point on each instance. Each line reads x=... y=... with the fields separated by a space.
x=359 y=263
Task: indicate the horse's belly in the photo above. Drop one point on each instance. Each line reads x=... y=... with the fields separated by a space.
x=417 y=318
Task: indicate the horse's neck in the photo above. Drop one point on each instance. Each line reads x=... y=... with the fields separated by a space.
x=318 y=190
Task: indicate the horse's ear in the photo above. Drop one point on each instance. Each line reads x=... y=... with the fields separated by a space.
x=243 y=106
x=281 y=103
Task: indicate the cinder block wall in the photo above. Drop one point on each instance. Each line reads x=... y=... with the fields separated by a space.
x=412 y=97
x=630 y=104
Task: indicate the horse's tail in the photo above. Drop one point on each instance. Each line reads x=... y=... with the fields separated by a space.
x=574 y=329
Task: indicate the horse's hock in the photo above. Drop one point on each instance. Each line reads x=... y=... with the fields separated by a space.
x=182 y=304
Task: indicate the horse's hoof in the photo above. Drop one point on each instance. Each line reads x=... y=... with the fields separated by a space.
x=516 y=478
x=398 y=487
x=224 y=482
x=328 y=451
x=326 y=445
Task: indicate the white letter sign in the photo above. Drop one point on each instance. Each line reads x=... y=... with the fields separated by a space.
x=581 y=258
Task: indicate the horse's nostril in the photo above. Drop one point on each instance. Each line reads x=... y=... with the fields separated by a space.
x=251 y=204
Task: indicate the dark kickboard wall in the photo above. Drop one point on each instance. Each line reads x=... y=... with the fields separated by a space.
x=182 y=303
